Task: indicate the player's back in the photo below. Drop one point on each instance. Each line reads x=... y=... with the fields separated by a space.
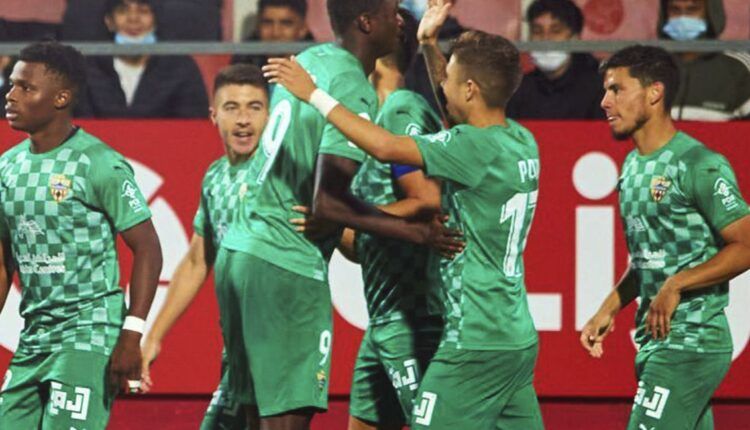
x=282 y=172
x=490 y=195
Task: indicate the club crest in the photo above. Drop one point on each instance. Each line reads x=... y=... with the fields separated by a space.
x=59 y=186
x=659 y=187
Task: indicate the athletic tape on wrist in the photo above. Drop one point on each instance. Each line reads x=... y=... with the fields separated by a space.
x=323 y=102
x=134 y=324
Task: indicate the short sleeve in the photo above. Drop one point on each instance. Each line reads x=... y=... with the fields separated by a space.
x=201 y=225
x=454 y=156
x=713 y=187
x=352 y=91
x=118 y=194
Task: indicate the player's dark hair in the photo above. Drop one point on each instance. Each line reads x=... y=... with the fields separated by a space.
x=648 y=64
x=343 y=12
x=298 y=6
x=493 y=62
x=111 y=5
x=408 y=46
x=62 y=60
x=564 y=10
x=240 y=74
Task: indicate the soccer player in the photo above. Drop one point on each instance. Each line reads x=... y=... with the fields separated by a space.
x=481 y=376
x=65 y=196
x=405 y=313
x=688 y=234
x=240 y=112
x=273 y=294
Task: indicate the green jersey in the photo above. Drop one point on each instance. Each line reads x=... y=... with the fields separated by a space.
x=395 y=272
x=62 y=210
x=674 y=202
x=224 y=186
x=490 y=186
x=284 y=167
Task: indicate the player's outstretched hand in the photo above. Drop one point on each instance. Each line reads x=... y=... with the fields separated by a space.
x=444 y=239
x=433 y=20
x=658 y=319
x=289 y=73
x=125 y=363
x=150 y=350
x=594 y=332
x=313 y=228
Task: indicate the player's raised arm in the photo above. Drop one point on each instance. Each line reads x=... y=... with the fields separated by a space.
x=376 y=141
x=186 y=282
x=429 y=30
x=602 y=323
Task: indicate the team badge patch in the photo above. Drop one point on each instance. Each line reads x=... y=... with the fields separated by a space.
x=659 y=187
x=59 y=186
x=321 y=377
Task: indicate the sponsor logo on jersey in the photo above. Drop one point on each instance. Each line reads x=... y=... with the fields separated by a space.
x=659 y=187
x=442 y=137
x=635 y=224
x=723 y=189
x=414 y=129
x=130 y=192
x=27 y=228
x=59 y=186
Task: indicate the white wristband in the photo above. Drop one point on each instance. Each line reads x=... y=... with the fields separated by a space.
x=134 y=324
x=323 y=102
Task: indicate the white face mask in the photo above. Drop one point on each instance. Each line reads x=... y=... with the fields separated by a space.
x=2 y=80
x=416 y=7
x=549 y=61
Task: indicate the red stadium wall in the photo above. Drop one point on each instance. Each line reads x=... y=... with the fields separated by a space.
x=575 y=253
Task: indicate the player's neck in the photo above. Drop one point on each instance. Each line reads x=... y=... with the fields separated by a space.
x=51 y=136
x=362 y=50
x=236 y=159
x=487 y=117
x=656 y=133
x=386 y=83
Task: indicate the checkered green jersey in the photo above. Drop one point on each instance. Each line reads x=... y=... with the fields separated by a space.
x=490 y=187
x=394 y=272
x=674 y=202
x=223 y=187
x=283 y=168
x=62 y=211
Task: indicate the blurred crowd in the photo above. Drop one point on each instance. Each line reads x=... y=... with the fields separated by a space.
x=558 y=85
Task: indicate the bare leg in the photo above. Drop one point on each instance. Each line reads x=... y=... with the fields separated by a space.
x=253 y=420
x=357 y=424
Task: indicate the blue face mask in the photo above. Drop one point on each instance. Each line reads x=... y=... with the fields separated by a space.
x=685 y=28
x=416 y=7
x=146 y=39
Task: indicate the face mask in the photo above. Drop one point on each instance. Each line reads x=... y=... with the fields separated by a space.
x=2 y=80
x=416 y=7
x=685 y=28
x=146 y=39
x=549 y=61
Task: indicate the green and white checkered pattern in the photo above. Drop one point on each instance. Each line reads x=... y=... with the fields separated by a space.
x=63 y=243
x=669 y=228
x=223 y=187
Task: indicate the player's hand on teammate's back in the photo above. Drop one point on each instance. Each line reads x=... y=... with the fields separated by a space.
x=313 y=228
x=594 y=332
x=661 y=310
x=289 y=73
x=150 y=350
x=433 y=19
x=125 y=363
x=442 y=238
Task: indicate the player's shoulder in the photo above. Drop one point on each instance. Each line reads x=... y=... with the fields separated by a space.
x=215 y=169
x=14 y=151
x=693 y=153
x=93 y=150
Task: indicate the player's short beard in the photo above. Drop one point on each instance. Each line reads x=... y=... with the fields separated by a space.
x=627 y=134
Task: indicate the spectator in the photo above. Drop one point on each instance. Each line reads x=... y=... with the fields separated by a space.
x=6 y=66
x=141 y=86
x=562 y=85
x=278 y=21
x=83 y=20
x=714 y=86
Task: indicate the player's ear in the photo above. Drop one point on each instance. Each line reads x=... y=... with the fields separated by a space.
x=212 y=115
x=655 y=93
x=364 y=23
x=63 y=99
x=471 y=90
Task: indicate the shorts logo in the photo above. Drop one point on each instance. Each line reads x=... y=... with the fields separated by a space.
x=723 y=189
x=655 y=404
x=130 y=192
x=423 y=411
x=643 y=427
x=220 y=400
x=659 y=187
x=59 y=187
x=414 y=130
x=410 y=379
x=78 y=406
